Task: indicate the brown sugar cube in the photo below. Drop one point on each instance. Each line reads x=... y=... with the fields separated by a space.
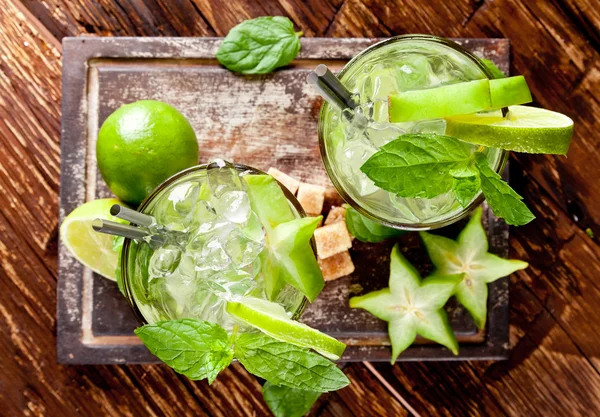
x=332 y=239
x=336 y=214
x=311 y=198
x=336 y=266
x=288 y=182
x=332 y=198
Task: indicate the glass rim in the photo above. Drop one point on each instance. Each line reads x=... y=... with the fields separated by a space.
x=503 y=157
x=172 y=179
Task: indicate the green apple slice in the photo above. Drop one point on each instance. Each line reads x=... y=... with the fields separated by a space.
x=509 y=91
x=272 y=320
x=525 y=129
x=455 y=99
x=440 y=102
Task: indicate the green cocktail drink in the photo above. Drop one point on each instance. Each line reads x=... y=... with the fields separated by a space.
x=400 y=64
x=217 y=249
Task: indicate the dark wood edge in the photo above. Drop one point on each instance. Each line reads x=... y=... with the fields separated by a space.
x=70 y=346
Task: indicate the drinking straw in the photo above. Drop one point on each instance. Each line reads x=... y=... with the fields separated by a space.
x=132 y=216
x=330 y=87
x=124 y=230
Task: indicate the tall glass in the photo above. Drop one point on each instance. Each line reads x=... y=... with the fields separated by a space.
x=402 y=63
x=192 y=290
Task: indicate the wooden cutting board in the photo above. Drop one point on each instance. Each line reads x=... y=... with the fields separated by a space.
x=261 y=121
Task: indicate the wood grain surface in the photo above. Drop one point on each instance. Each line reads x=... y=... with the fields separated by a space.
x=554 y=367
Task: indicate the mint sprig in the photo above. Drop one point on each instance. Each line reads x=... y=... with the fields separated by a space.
x=417 y=165
x=194 y=348
x=427 y=165
x=258 y=46
x=199 y=349
x=367 y=230
x=503 y=200
x=287 y=365
x=288 y=402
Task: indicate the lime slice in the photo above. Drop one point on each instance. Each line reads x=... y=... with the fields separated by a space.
x=525 y=129
x=91 y=248
x=272 y=320
x=454 y=99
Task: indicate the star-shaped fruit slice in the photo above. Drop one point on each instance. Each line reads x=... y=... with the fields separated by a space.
x=412 y=307
x=469 y=255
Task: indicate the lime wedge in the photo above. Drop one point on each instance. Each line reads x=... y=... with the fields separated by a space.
x=525 y=129
x=461 y=98
x=272 y=320
x=91 y=248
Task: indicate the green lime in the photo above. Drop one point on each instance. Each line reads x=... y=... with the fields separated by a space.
x=142 y=144
x=272 y=320
x=455 y=99
x=93 y=249
x=525 y=129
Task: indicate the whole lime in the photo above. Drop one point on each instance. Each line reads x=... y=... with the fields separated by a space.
x=142 y=144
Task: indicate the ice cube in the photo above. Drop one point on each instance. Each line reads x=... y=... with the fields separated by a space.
x=176 y=213
x=222 y=177
x=436 y=126
x=234 y=206
x=241 y=250
x=383 y=133
x=164 y=261
x=412 y=73
x=352 y=158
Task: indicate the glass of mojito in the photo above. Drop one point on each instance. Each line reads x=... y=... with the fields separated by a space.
x=400 y=64
x=220 y=220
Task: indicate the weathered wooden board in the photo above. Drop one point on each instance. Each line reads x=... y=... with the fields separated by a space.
x=261 y=121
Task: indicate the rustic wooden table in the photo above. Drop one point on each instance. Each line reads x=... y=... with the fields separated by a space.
x=554 y=366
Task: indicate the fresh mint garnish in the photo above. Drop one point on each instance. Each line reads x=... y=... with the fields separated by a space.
x=496 y=72
x=503 y=200
x=258 y=46
x=367 y=230
x=287 y=365
x=469 y=255
x=412 y=306
x=466 y=188
x=288 y=402
x=417 y=165
x=194 y=348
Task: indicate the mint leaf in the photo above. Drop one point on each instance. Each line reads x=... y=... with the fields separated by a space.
x=117 y=243
x=258 y=46
x=417 y=165
x=503 y=200
x=367 y=230
x=287 y=365
x=466 y=188
x=288 y=402
x=496 y=72
x=194 y=348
